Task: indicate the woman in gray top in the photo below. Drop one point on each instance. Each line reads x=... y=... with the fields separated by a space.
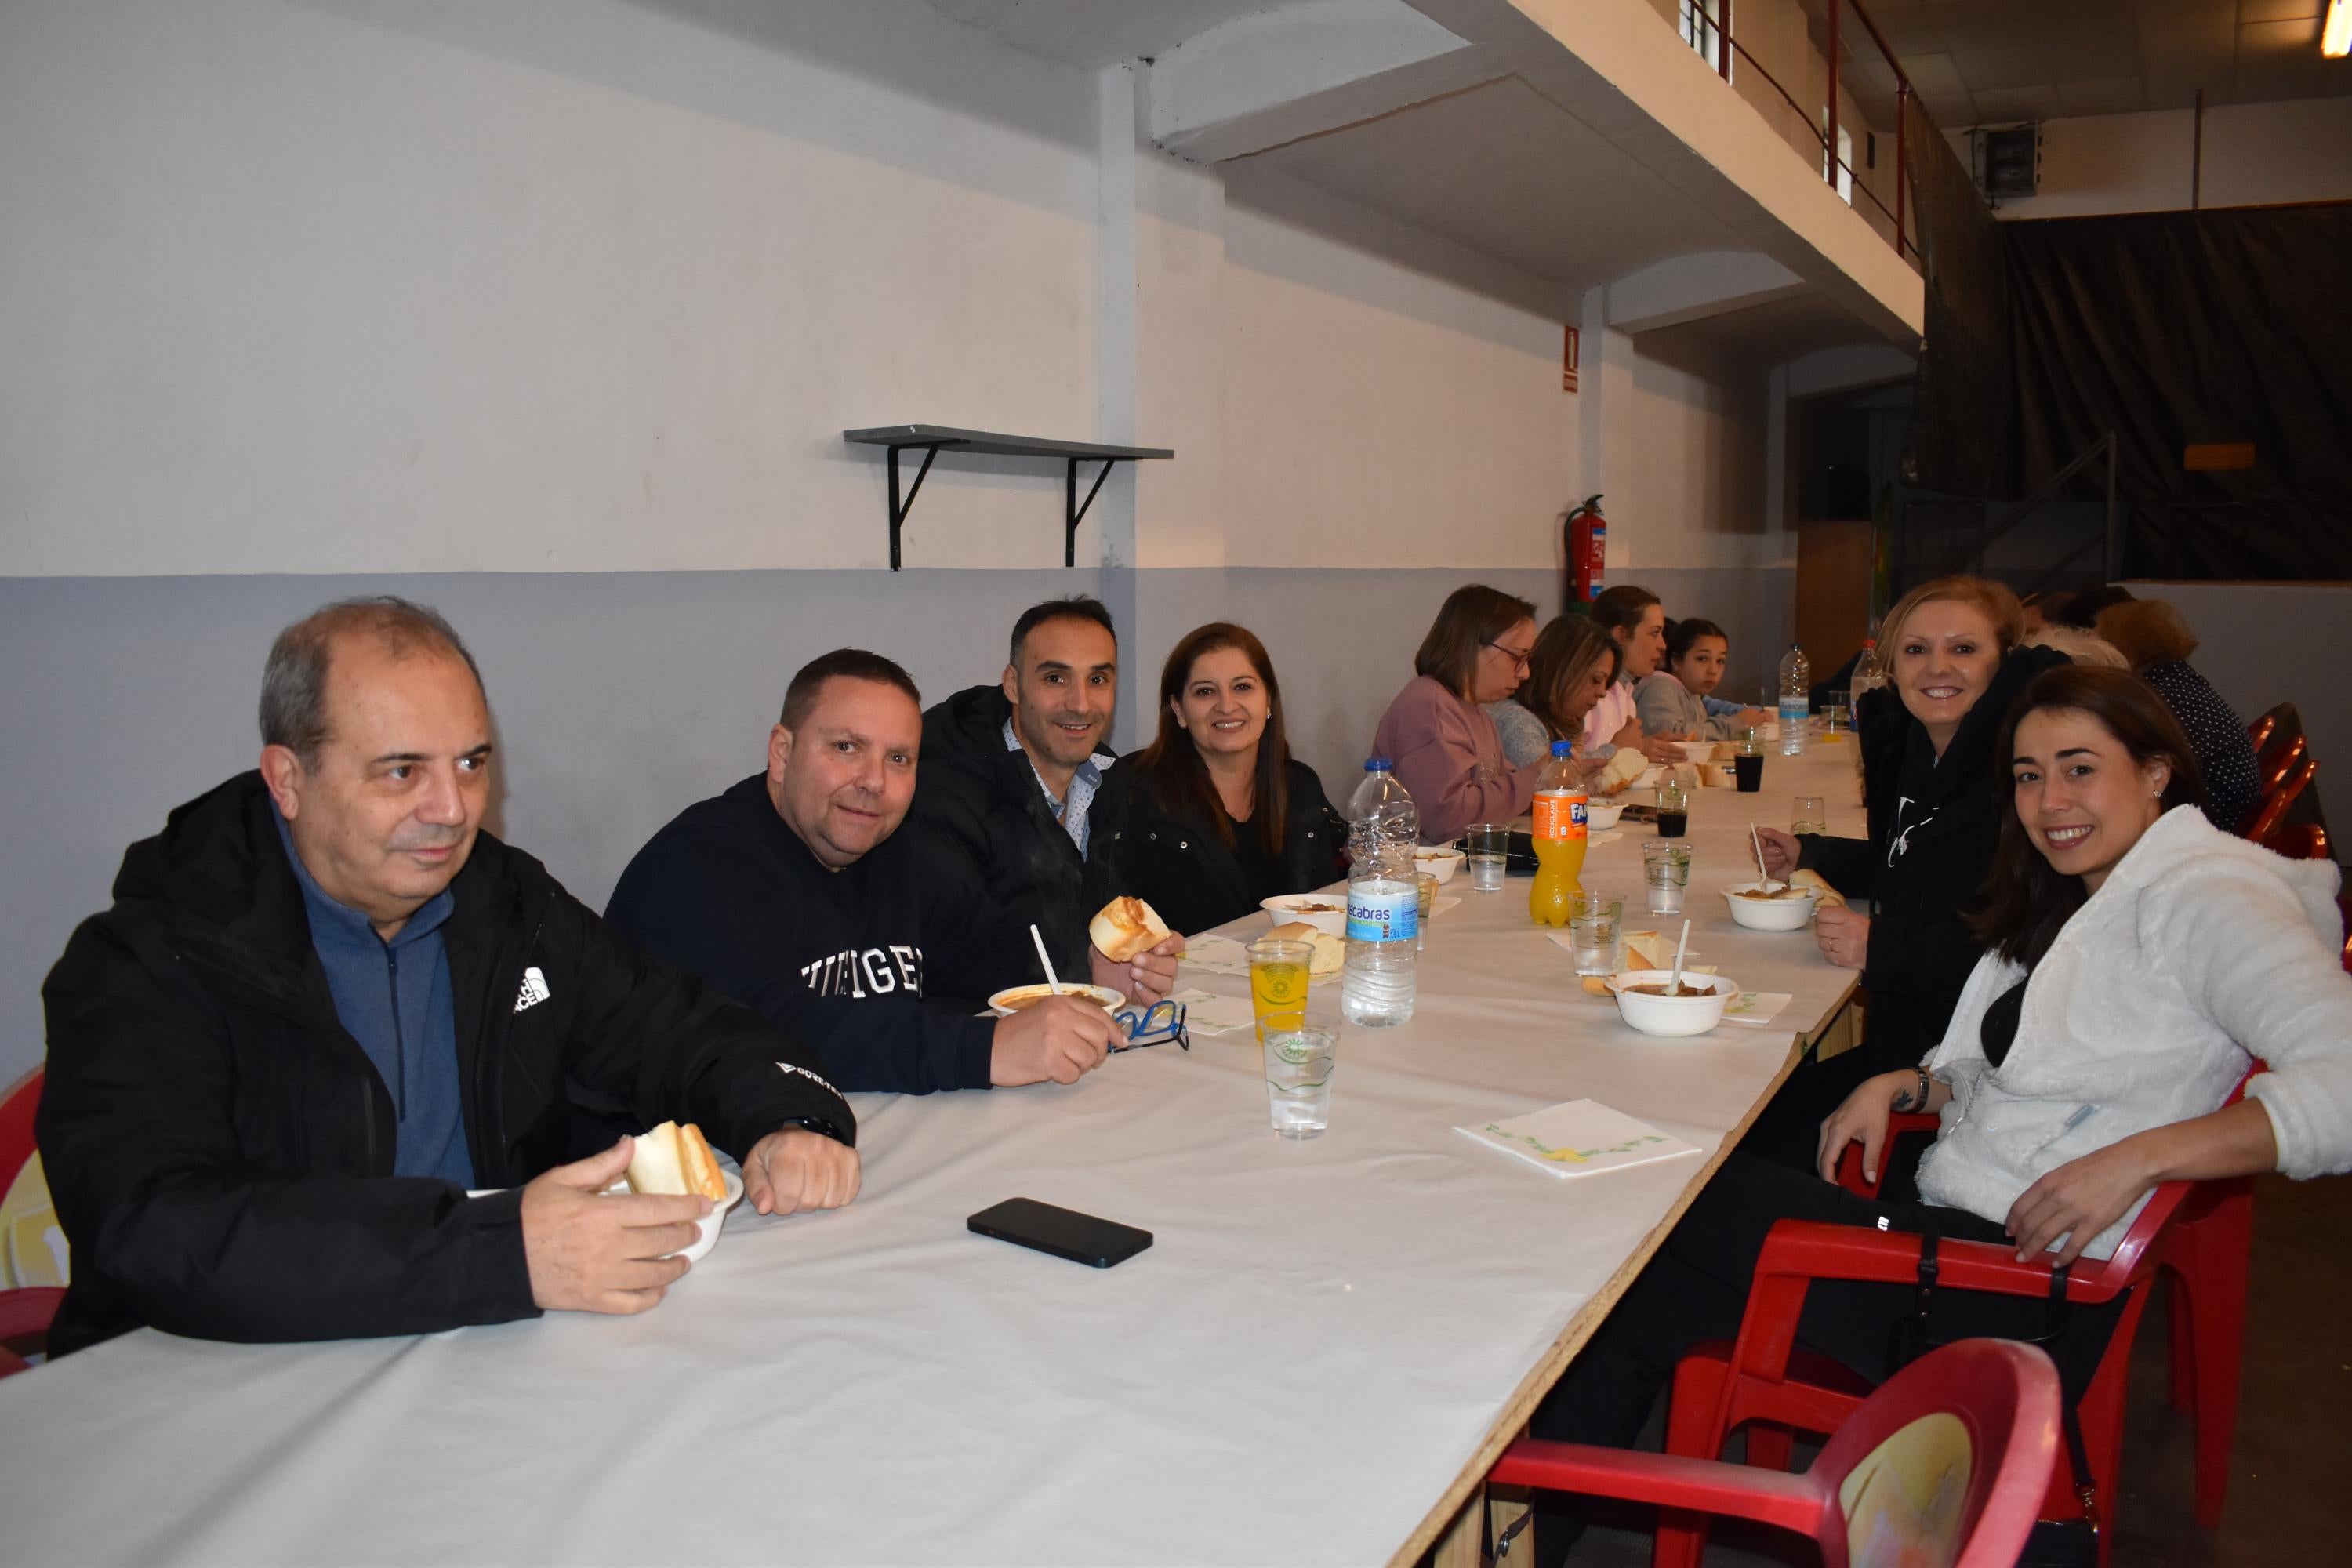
x=1571 y=664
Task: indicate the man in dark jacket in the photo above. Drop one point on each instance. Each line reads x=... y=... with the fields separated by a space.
x=324 y=1005
x=1010 y=773
x=796 y=893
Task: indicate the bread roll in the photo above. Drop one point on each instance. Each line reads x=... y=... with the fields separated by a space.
x=677 y=1162
x=1622 y=769
x=1331 y=952
x=1825 y=893
x=1648 y=949
x=1126 y=927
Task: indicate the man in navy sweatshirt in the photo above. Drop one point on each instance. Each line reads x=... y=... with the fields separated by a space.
x=795 y=893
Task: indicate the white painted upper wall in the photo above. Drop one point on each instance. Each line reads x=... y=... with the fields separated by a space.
x=392 y=287
x=2255 y=154
x=288 y=291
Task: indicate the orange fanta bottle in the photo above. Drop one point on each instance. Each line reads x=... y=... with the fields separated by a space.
x=1559 y=839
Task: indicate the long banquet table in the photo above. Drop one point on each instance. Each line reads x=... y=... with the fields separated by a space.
x=1315 y=1362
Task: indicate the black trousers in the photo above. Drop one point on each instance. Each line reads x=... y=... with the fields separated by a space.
x=1788 y=1128
x=1696 y=1288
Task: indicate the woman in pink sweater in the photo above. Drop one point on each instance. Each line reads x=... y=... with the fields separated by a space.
x=1436 y=735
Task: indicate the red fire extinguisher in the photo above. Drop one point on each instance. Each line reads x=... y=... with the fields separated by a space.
x=1588 y=541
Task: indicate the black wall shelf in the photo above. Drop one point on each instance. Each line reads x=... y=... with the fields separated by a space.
x=932 y=439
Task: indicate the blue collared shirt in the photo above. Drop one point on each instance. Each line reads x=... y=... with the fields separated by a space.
x=1070 y=812
x=394 y=999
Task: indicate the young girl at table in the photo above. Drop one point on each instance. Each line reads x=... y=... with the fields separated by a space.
x=2140 y=960
x=1679 y=698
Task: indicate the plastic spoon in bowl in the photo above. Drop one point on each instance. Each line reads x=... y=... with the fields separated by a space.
x=1674 y=980
x=1051 y=984
x=1757 y=839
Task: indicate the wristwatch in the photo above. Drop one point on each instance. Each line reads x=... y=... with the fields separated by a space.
x=1910 y=1101
x=824 y=1125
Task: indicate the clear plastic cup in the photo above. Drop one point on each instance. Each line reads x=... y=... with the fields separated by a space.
x=1596 y=925
x=1298 y=1067
x=1488 y=845
x=1665 y=872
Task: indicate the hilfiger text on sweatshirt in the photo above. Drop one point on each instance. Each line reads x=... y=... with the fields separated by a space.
x=860 y=972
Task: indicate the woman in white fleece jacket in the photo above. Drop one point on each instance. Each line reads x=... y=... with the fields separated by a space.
x=2141 y=961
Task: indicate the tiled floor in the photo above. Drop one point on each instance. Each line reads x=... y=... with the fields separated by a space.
x=2291 y=1479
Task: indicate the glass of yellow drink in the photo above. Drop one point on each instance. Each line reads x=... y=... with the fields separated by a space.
x=1279 y=974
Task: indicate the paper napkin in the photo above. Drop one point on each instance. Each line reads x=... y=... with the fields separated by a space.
x=1581 y=1137
x=1206 y=1014
x=1755 y=1007
x=1217 y=954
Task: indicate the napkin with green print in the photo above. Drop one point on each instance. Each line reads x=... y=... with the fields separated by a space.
x=1580 y=1138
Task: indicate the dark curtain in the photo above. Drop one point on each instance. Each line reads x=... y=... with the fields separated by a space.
x=1961 y=435
x=2190 y=328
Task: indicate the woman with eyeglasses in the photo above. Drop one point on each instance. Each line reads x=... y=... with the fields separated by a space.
x=1215 y=814
x=1437 y=733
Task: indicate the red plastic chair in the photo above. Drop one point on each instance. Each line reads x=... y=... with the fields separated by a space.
x=1987 y=1405
x=28 y=1313
x=2298 y=841
x=1763 y=1377
x=2272 y=732
x=2270 y=806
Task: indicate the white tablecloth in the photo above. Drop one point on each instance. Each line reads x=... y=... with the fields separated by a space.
x=1317 y=1344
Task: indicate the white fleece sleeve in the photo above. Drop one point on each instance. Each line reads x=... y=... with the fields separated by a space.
x=2250 y=958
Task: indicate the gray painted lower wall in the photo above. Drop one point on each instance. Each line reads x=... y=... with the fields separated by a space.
x=621 y=697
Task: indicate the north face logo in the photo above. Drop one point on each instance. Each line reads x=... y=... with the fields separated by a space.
x=534 y=990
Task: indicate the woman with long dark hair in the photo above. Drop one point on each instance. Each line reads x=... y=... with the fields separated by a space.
x=1215 y=814
x=1572 y=664
x=2138 y=962
x=1636 y=621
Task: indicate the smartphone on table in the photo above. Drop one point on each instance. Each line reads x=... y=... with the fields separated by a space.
x=1064 y=1232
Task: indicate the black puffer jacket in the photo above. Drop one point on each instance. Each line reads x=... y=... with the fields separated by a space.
x=1934 y=824
x=221 y=1150
x=1175 y=862
x=984 y=800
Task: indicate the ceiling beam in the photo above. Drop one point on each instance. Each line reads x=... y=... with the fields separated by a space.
x=1275 y=77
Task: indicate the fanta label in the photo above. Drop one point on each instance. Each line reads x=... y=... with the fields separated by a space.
x=1558 y=814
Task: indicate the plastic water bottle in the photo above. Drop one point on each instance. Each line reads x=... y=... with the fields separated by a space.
x=1869 y=675
x=1382 y=801
x=1376 y=989
x=1796 y=699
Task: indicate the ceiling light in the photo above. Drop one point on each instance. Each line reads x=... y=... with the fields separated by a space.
x=2336 y=39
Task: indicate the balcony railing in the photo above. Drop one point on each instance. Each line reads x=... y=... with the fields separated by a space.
x=1713 y=31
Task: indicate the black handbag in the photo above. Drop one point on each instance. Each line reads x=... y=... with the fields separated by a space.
x=2055 y=1542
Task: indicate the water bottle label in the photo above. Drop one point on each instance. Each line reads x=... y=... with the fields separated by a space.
x=1559 y=815
x=1377 y=914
